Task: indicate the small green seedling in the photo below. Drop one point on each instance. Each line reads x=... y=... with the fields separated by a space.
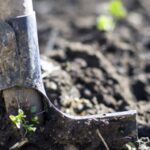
x=35 y=120
x=105 y=23
x=18 y=119
x=21 y=122
x=115 y=10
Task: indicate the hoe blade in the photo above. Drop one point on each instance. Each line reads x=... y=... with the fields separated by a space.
x=116 y=129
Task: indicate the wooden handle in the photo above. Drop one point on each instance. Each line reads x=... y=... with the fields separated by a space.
x=15 y=8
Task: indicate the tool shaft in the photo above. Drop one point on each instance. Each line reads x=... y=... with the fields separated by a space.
x=15 y=8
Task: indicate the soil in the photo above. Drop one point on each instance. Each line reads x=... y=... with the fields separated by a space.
x=86 y=71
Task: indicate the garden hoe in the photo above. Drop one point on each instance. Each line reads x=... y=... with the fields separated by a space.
x=22 y=87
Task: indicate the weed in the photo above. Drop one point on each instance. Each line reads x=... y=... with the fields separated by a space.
x=22 y=123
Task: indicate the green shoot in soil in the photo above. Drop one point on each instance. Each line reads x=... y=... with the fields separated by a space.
x=21 y=123
x=105 y=23
x=115 y=10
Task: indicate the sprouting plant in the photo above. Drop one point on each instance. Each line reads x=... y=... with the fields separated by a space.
x=35 y=120
x=105 y=23
x=22 y=123
x=115 y=11
x=18 y=119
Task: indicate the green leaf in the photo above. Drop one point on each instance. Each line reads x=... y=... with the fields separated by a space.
x=35 y=119
x=19 y=121
x=20 y=111
x=116 y=9
x=31 y=129
x=13 y=119
x=20 y=114
x=16 y=120
x=105 y=23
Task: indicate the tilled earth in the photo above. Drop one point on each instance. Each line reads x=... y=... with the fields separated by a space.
x=86 y=71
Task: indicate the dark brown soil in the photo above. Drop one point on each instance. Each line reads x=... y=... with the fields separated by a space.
x=86 y=71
